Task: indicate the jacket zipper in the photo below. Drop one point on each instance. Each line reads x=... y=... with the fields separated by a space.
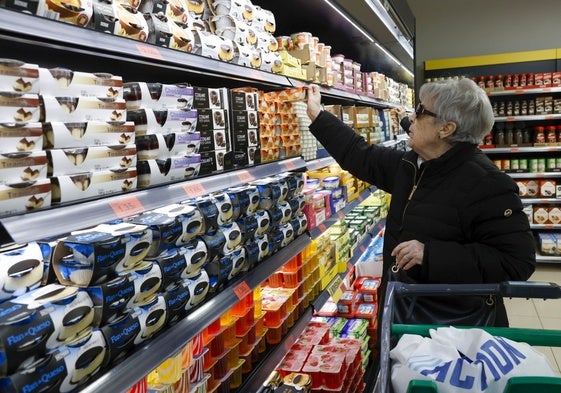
x=415 y=186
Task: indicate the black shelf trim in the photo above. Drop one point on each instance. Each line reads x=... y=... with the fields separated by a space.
x=57 y=221
x=146 y=357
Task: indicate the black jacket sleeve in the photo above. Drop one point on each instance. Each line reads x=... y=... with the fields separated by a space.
x=374 y=164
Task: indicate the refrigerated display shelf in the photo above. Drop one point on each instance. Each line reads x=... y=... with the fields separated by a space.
x=275 y=356
x=146 y=357
x=60 y=220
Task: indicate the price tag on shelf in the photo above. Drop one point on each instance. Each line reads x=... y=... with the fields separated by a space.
x=126 y=207
x=341 y=214
x=194 y=189
x=515 y=150
x=242 y=290
x=322 y=227
x=549 y=117
x=150 y=51
x=245 y=176
x=334 y=288
x=510 y=118
x=362 y=248
x=289 y=165
x=360 y=198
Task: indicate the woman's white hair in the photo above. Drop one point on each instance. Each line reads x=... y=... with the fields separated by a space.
x=463 y=102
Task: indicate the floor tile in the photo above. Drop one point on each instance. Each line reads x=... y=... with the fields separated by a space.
x=523 y=307
x=524 y=321
x=550 y=308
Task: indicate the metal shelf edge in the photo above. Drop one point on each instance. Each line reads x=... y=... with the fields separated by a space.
x=147 y=357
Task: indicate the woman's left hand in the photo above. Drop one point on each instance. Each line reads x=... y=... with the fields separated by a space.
x=408 y=254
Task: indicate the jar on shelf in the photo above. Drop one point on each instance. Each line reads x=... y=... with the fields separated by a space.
x=558 y=129
x=550 y=134
x=539 y=134
x=518 y=134
x=509 y=134
x=499 y=81
x=499 y=135
x=490 y=81
x=481 y=82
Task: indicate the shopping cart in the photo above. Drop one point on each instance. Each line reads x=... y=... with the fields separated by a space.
x=509 y=289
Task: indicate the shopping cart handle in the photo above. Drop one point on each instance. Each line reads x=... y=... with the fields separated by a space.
x=522 y=289
x=531 y=289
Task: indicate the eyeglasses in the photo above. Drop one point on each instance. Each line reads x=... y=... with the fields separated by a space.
x=421 y=110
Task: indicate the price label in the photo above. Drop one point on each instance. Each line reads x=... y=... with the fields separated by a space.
x=341 y=214
x=510 y=118
x=519 y=92
x=362 y=248
x=322 y=227
x=334 y=289
x=360 y=198
x=194 y=189
x=242 y=290
x=514 y=150
x=149 y=51
x=245 y=177
x=127 y=207
x=549 y=117
x=290 y=165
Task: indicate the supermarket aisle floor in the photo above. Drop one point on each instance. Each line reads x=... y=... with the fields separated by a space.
x=539 y=313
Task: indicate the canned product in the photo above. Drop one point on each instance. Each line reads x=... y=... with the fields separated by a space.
x=523 y=164
x=498 y=163
x=506 y=165
x=514 y=164
x=541 y=164
x=558 y=163
x=533 y=164
x=550 y=164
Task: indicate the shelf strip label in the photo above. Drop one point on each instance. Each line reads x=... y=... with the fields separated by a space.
x=245 y=176
x=334 y=288
x=149 y=51
x=194 y=189
x=126 y=207
x=242 y=290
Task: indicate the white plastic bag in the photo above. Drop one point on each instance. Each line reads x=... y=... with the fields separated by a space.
x=464 y=360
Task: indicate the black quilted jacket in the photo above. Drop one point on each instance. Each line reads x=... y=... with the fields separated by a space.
x=466 y=212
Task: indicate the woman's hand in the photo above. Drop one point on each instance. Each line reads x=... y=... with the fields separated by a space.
x=314 y=102
x=408 y=254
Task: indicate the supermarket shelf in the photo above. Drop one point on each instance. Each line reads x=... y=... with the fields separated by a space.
x=277 y=354
x=545 y=226
x=87 y=41
x=146 y=357
x=520 y=91
x=60 y=220
x=532 y=149
x=527 y=118
x=533 y=175
x=542 y=201
x=548 y=259
x=321 y=228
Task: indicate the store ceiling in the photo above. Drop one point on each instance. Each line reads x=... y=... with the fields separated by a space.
x=316 y=17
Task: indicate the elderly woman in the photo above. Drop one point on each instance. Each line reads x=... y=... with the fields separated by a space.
x=454 y=217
